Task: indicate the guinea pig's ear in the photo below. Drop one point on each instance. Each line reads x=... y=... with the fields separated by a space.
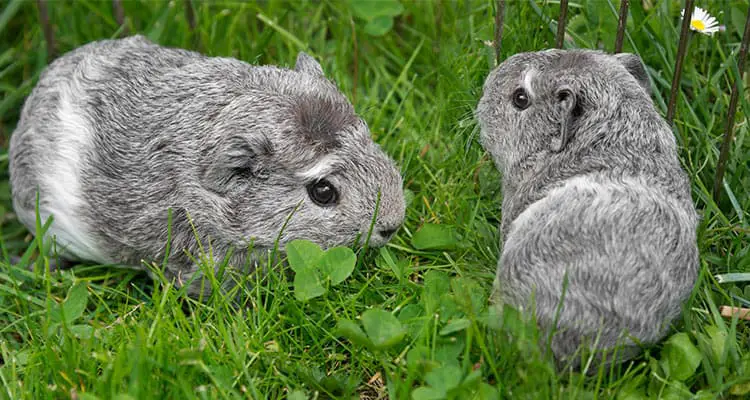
x=635 y=66
x=308 y=65
x=235 y=157
x=566 y=102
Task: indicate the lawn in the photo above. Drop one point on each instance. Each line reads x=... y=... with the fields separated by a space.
x=411 y=321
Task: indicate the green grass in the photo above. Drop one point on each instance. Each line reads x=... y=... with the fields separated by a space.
x=96 y=332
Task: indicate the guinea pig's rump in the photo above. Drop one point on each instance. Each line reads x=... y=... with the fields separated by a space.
x=623 y=253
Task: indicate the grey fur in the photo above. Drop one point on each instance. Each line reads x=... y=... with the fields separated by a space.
x=610 y=206
x=222 y=143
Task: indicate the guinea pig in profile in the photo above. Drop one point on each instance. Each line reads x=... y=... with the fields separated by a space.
x=118 y=132
x=593 y=196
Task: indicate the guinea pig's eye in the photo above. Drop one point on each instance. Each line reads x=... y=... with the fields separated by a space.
x=520 y=99
x=323 y=193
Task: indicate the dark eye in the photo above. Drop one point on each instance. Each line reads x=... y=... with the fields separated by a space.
x=520 y=99
x=323 y=193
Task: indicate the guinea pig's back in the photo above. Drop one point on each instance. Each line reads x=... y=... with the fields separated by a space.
x=629 y=252
x=55 y=136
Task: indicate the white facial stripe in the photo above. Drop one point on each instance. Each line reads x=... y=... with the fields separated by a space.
x=320 y=169
x=528 y=77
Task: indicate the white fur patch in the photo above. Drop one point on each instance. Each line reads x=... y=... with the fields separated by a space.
x=320 y=169
x=528 y=78
x=61 y=183
x=603 y=192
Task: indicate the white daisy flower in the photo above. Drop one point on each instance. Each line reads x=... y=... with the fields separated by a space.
x=701 y=21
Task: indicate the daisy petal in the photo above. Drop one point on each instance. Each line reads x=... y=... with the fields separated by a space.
x=701 y=21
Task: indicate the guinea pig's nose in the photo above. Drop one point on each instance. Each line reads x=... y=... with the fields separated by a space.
x=386 y=233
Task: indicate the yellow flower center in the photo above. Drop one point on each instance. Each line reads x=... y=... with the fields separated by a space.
x=698 y=24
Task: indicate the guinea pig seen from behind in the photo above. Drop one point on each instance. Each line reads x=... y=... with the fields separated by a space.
x=118 y=132
x=597 y=215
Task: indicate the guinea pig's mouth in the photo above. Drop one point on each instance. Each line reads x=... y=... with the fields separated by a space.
x=376 y=241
